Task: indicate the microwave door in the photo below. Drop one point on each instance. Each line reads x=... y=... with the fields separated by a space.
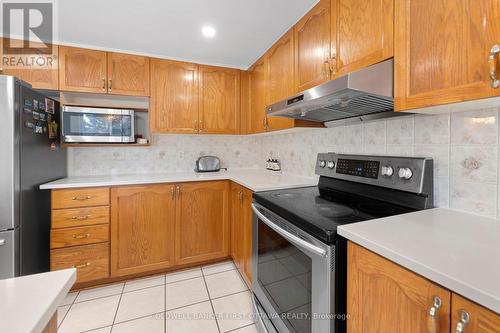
x=101 y=126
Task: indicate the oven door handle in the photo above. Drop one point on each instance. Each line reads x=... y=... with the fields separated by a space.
x=289 y=236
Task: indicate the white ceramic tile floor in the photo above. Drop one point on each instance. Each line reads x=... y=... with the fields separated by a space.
x=209 y=299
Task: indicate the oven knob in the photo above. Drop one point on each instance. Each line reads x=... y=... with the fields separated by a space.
x=387 y=171
x=405 y=173
x=322 y=164
x=330 y=164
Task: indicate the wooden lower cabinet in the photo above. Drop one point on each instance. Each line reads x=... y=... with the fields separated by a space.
x=142 y=228
x=480 y=320
x=241 y=230
x=383 y=297
x=202 y=221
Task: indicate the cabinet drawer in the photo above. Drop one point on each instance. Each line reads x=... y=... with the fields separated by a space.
x=80 y=197
x=79 y=236
x=91 y=261
x=76 y=217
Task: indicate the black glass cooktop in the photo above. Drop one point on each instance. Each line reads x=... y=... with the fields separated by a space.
x=319 y=211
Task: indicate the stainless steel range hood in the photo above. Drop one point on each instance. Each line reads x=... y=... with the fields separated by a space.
x=361 y=95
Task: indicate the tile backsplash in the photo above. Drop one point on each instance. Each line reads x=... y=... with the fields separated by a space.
x=464 y=146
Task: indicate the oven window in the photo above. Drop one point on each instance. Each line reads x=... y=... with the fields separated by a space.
x=90 y=124
x=285 y=274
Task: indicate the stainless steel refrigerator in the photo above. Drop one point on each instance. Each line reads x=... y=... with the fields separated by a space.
x=30 y=155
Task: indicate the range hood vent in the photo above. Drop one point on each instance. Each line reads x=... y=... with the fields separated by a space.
x=367 y=92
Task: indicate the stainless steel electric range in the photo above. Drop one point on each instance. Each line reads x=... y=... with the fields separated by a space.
x=299 y=261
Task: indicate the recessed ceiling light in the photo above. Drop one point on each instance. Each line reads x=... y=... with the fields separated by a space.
x=208 y=31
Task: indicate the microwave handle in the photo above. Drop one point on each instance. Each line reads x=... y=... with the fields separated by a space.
x=289 y=236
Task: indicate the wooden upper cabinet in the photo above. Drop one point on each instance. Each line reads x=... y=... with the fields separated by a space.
x=258 y=89
x=128 y=74
x=441 y=51
x=280 y=77
x=312 y=47
x=480 y=319
x=40 y=78
x=202 y=221
x=174 y=97
x=82 y=70
x=142 y=228
x=219 y=102
x=384 y=297
x=364 y=33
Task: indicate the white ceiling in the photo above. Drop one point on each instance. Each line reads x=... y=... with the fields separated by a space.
x=172 y=29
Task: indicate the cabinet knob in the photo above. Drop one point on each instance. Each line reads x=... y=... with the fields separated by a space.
x=433 y=315
x=82 y=265
x=81 y=236
x=464 y=320
x=110 y=85
x=178 y=190
x=80 y=218
x=103 y=84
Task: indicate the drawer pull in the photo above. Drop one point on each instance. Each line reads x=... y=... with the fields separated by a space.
x=432 y=321
x=492 y=62
x=464 y=320
x=87 y=264
x=81 y=236
x=81 y=198
x=80 y=218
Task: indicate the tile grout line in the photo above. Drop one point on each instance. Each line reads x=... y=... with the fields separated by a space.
x=210 y=300
x=118 y=307
x=70 y=306
x=239 y=328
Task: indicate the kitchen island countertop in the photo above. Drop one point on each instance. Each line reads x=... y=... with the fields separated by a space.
x=29 y=302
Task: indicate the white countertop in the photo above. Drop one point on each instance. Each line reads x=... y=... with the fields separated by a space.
x=253 y=179
x=29 y=302
x=457 y=250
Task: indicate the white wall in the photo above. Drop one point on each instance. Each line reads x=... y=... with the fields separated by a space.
x=464 y=146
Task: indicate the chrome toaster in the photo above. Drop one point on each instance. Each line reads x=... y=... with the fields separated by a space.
x=207 y=164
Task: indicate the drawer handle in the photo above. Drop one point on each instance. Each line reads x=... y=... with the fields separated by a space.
x=80 y=218
x=87 y=264
x=464 y=320
x=81 y=198
x=432 y=321
x=81 y=236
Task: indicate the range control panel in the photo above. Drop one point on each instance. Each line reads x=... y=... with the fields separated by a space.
x=402 y=173
x=360 y=168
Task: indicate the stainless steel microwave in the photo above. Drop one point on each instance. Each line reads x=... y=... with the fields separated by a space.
x=97 y=125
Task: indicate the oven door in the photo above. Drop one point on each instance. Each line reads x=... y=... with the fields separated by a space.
x=293 y=279
x=97 y=125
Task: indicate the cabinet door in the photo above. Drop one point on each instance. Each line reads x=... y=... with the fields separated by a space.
x=312 y=47
x=237 y=226
x=258 y=90
x=40 y=78
x=142 y=228
x=481 y=320
x=441 y=51
x=246 y=217
x=219 y=100
x=365 y=33
x=128 y=74
x=383 y=297
x=280 y=77
x=82 y=70
x=174 y=96
x=202 y=221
